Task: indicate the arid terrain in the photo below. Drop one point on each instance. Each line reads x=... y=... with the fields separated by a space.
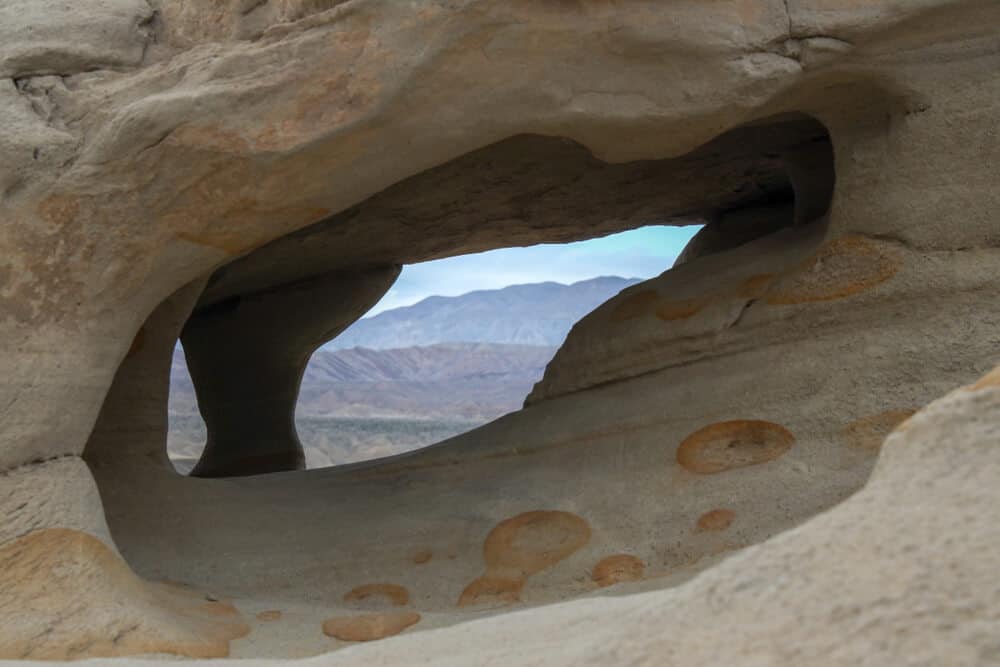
x=438 y=368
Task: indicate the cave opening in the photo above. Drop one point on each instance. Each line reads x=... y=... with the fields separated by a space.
x=452 y=345
x=263 y=317
x=249 y=332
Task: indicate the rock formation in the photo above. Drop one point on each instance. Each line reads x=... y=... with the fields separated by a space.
x=247 y=355
x=252 y=174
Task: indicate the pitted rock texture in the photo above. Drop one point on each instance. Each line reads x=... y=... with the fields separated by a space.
x=172 y=157
x=67 y=595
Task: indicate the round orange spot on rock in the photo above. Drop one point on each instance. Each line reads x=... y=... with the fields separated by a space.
x=492 y=591
x=269 y=615
x=635 y=305
x=616 y=569
x=422 y=556
x=368 y=627
x=716 y=520
x=840 y=268
x=869 y=432
x=733 y=444
x=394 y=593
x=530 y=542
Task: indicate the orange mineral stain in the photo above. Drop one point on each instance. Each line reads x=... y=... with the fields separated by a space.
x=713 y=520
x=756 y=286
x=369 y=627
x=616 y=569
x=680 y=309
x=522 y=546
x=41 y=575
x=840 y=268
x=869 y=432
x=269 y=615
x=733 y=444
x=397 y=595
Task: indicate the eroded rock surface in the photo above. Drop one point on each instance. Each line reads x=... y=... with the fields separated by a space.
x=87 y=602
x=171 y=156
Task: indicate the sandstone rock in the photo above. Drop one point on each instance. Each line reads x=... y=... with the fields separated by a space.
x=49 y=37
x=616 y=569
x=172 y=157
x=67 y=595
x=727 y=302
x=395 y=594
x=269 y=615
x=520 y=547
x=716 y=519
x=369 y=627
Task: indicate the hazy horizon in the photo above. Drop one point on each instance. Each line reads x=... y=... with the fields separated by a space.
x=639 y=253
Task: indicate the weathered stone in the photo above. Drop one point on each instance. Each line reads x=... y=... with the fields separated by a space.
x=255 y=147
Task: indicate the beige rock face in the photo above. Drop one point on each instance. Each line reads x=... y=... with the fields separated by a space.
x=711 y=438
x=91 y=604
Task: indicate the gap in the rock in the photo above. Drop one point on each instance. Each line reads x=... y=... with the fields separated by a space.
x=461 y=341
x=454 y=344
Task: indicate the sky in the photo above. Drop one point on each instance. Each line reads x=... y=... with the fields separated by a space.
x=639 y=253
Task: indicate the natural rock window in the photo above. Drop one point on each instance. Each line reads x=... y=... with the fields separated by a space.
x=812 y=379
x=416 y=374
x=248 y=345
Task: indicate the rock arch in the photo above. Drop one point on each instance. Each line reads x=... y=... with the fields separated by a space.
x=158 y=148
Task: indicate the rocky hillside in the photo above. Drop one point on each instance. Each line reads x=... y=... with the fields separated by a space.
x=470 y=357
x=467 y=381
x=448 y=380
x=535 y=314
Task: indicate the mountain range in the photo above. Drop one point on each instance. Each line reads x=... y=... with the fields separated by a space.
x=411 y=376
x=534 y=314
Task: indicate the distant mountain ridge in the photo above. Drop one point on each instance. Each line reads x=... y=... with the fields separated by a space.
x=533 y=314
x=467 y=381
x=411 y=376
x=471 y=381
